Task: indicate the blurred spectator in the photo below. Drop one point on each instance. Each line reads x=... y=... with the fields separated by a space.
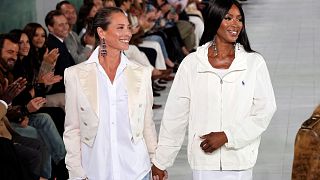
x=72 y=41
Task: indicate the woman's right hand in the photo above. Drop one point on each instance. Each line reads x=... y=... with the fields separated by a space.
x=52 y=56
x=158 y=174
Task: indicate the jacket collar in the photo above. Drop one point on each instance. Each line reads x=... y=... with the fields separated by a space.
x=239 y=62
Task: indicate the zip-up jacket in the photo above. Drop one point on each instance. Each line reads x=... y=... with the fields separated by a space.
x=241 y=104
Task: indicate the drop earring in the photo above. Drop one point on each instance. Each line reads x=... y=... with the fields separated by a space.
x=214 y=46
x=103 y=48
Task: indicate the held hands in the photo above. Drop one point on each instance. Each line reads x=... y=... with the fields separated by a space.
x=158 y=174
x=213 y=141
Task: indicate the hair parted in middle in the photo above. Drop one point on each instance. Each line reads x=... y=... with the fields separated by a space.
x=213 y=16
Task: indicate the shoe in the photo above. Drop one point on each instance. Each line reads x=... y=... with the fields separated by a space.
x=155 y=94
x=156 y=106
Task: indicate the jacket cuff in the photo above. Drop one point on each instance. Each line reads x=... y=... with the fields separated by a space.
x=230 y=143
x=4 y=103
x=159 y=166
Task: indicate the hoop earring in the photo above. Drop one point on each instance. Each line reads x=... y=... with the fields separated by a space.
x=103 y=48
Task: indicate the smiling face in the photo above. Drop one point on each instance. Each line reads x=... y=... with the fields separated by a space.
x=39 y=38
x=230 y=26
x=9 y=54
x=24 y=45
x=60 y=26
x=69 y=11
x=118 y=33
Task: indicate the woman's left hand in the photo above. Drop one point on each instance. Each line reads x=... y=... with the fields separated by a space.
x=213 y=141
x=50 y=78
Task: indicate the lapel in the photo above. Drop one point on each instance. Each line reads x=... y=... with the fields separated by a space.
x=134 y=81
x=88 y=80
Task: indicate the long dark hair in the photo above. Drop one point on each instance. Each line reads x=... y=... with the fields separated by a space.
x=35 y=54
x=213 y=16
x=30 y=29
x=102 y=19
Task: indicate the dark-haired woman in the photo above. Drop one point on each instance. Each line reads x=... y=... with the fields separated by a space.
x=109 y=131
x=223 y=94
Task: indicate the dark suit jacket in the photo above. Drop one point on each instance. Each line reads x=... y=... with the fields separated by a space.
x=64 y=61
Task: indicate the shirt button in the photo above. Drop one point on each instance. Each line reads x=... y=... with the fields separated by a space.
x=85 y=123
x=81 y=108
x=86 y=138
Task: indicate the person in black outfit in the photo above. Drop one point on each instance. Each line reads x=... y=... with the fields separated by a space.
x=58 y=27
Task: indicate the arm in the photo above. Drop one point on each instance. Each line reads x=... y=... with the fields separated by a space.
x=174 y=122
x=262 y=110
x=77 y=51
x=71 y=135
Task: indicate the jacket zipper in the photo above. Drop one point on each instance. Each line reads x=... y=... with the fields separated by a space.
x=221 y=83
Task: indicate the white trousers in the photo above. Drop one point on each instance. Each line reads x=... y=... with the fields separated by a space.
x=222 y=175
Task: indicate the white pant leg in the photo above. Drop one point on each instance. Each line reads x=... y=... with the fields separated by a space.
x=222 y=175
x=134 y=54
x=199 y=28
x=160 y=61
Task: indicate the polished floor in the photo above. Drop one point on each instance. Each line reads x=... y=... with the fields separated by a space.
x=287 y=34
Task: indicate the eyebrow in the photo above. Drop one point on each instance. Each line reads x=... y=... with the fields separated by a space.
x=233 y=15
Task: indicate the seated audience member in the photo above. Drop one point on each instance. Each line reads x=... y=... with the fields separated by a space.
x=195 y=16
x=28 y=150
x=23 y=117
x=109 y=3
x=42 y=60
x=97 y=3
x=11 y=165
x=58 y=27
x=78 y=52
x=58 y=30
x=86 y=12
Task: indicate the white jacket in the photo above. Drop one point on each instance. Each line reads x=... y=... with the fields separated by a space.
x=241 y=104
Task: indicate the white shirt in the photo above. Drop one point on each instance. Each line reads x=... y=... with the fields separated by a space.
x=114 y=156
x=221 y=72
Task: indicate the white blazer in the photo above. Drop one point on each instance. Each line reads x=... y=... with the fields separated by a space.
x=82 y=109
